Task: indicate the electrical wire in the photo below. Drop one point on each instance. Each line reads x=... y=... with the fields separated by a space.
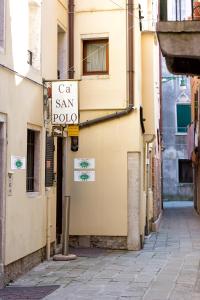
x=107 y=44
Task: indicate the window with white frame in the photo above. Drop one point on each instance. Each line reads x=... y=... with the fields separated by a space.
x=2 y=23
x=33 y=161
x=183 y=114
x=34 y=34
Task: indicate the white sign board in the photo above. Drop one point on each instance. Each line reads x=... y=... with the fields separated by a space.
x=84 y=176
x=64 y=102
x=84 y=163
x=18 y=163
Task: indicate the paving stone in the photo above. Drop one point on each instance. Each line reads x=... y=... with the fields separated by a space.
x=167 y=267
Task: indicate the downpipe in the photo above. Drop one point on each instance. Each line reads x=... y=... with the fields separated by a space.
x=108 y=117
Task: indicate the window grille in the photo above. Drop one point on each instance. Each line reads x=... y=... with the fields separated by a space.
x=30 y=160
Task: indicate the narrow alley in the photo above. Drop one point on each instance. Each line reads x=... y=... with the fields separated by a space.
x=167 y=267
x=100 y=149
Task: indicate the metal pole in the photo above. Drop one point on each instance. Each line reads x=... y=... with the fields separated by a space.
x=176 y=11
x=163 y=7
x=66 y=216
x=180 y=7
x=192 y=9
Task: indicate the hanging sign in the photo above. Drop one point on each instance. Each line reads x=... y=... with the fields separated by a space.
x=64 y=102
x=73 y=130
x=57 y=131
x=18 y=163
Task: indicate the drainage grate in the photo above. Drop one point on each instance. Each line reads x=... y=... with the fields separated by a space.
x=21 y=293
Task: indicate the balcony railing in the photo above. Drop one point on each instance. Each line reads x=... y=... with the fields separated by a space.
x=179 y=10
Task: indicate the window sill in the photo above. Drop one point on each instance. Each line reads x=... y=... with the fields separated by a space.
x=181 y=133
x=95 y=77
x=33 y=194
x=184 y=184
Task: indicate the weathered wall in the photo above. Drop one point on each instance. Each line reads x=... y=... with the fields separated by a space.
x=174 y=143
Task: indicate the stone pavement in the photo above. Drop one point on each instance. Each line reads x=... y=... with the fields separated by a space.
x=167 y=268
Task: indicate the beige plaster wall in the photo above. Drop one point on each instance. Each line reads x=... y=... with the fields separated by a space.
x=100 y=207
x=21 y=100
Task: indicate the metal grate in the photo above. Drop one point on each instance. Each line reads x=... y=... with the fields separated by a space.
x=21 y=293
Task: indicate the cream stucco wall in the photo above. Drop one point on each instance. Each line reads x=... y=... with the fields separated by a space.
x=100 y=207
x=21 y=99
x=97 y=204
x=150 y=82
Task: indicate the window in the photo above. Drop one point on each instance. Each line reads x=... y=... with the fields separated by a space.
x=2 y=23
x=34 y=33
x=61 y=53
x=183 y=117
x=95 y=57
x=33 y=154
x=49 y=163
x=196 y=105
x=185 y=171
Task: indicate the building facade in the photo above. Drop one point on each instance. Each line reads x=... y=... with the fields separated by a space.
x=114 y=55
x=31 y=49
x=117 y=62
x=176 y=112
x=193 y=139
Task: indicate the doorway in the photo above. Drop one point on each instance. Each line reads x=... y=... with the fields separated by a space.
x=59 y=189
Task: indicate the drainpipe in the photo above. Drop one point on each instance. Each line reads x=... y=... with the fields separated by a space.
x=71 y=39
x=65 y=215
x=130 y=107
x=130 y=52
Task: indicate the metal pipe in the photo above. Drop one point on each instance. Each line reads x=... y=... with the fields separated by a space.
x=192 y=9
x=71 y=39
x=176 y=11
x=107 y=117
x=130 y=52
x=180 y=10
x=66 y=220
x=163 y=10
x=48 y=237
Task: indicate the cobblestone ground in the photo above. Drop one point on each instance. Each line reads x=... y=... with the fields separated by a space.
x=167 y=268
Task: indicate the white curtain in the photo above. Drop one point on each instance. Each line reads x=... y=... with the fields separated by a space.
x=96 y=57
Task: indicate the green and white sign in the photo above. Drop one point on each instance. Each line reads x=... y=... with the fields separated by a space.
x=18 y=163
x=84 y=163
x=84 y=176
